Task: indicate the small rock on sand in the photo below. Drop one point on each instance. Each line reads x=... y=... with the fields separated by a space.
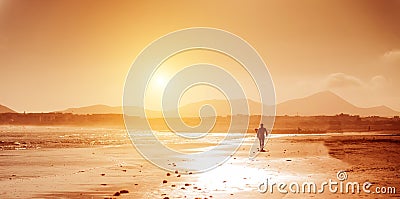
x=164 y=181
x=117 y=194
x=176 y=171
x=168 y=174
x=124 y=191
x=178 y=176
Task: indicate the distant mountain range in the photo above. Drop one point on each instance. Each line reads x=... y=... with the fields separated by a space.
x=322 y=103
x=94 y=109
x=328 y=103
x=4 y=109
x=104 y=109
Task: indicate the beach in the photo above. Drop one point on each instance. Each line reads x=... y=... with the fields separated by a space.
x=75 y=162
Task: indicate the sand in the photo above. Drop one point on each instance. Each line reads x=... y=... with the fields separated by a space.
x=82 y=170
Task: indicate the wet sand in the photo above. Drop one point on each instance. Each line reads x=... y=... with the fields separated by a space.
x=98 y=170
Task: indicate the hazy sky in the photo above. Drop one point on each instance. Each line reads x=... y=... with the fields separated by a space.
x=60 y=54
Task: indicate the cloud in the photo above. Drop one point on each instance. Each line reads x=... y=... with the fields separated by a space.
x=379 y=81
x=341 y=80
x=380 y=88
x=374 y=91
x=392 y=57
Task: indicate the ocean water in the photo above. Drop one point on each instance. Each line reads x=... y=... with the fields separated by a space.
x=36 y=137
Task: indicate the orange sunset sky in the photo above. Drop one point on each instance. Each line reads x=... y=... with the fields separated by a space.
x=60 y=54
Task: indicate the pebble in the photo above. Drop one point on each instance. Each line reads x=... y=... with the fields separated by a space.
x=124 y=191
x=117 y=194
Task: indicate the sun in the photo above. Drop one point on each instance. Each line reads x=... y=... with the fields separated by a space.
x=155 y=90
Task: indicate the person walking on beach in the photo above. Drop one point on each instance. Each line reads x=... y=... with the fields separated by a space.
x=261 y=133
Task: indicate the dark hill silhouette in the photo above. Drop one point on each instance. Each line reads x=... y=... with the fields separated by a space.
x=322 y=103
x=328 y=103
x=94 y=109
